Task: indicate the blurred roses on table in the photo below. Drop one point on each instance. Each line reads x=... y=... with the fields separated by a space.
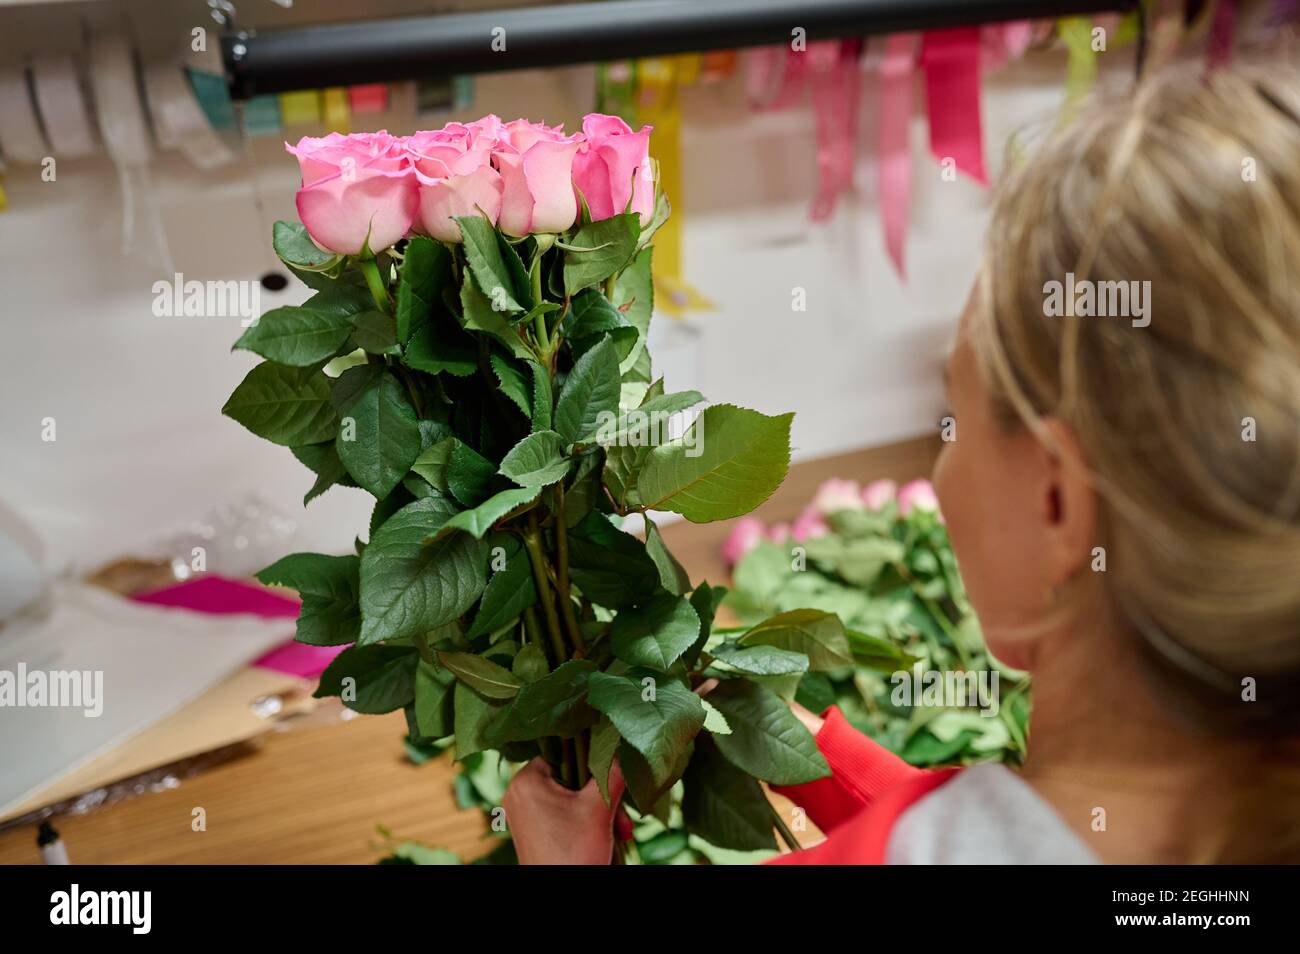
x=367 y=191
x=834 y=495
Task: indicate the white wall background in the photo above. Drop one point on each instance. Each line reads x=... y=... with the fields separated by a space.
x=142 y=448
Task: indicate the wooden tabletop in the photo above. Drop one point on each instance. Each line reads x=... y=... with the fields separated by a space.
x=316 y=795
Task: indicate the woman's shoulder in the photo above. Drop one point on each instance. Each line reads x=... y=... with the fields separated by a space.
x=984 y=814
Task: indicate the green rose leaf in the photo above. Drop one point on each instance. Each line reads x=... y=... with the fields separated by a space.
x=515 y=381
x=371 y=679
x=425 y=271
x=727 y=464
x=760 y=660
x=287 y=406
x=590 y=394
x=477 y=314
x=323 y=461
x=536 y=461
x=509 y=592
x=385 y=435
x=476 y=717
x=599 y=249
x=609 y=566
x=600 y=758
x=376 y=333
x=329 y=588
x=555 y=705
x=483 y=254
x=489 y=679
x=295 y=248
x=655 y=634
x=305 y=335
x=766 y=739
x=722 y=804
x=658 y=716
x=672 y=575
x=434 y=714
x=479 y=520
x=812 y=633
x=409 y=587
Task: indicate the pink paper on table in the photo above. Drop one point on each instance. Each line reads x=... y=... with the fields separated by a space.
x=220 y=596
x=951 y=60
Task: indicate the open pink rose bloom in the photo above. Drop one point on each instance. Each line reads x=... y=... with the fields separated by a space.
x=367 y=191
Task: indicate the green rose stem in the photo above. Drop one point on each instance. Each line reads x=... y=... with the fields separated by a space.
x=378 y=287
x=562 y=573
x=787 y=835
x=570 y=769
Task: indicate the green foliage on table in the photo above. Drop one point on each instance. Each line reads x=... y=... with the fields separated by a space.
x=893 y=582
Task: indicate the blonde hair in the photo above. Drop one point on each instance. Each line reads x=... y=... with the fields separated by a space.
x=1192 y=183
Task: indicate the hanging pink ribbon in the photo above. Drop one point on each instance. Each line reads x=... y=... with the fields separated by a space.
x=1002 y=42
x=1218 y=50
x=774 y=77
x=893 y=142
x=836 y=92
x=951 y=60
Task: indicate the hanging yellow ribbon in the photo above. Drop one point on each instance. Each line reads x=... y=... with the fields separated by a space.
x=659 y=81
x=1081 y=70
x=335 y=109
x=300 y=108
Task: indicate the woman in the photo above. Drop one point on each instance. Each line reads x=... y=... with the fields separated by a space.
x=1122 y=497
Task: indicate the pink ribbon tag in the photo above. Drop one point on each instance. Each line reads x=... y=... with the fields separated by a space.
x=951 y=60
x=1218 y=50
x=1002 y=42
x=833 y=67
x=893 y=142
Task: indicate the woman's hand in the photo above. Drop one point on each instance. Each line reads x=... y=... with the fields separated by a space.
x=813 y=723
x=552 y=825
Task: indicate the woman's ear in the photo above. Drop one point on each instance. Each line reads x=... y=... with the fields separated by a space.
x=1070 y=505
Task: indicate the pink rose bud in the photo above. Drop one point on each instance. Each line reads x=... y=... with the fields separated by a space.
x=836 y=494
x=878 y=493
x=779 y=532
x=453 y=167
x=746 y=533
x=808 y=525
x=357 y=191
x=917 y=495
x=538 y=181
x=613 y=166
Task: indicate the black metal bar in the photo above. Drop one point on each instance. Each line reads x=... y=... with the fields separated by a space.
x=402 y=48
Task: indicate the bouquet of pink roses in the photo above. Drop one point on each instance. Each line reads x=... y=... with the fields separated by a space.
x=475 y=358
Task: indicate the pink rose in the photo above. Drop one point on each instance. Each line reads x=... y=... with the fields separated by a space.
x=878 y=493
x=356 y=191
x=613 y=165
x=536 y=165
x=917 y=495
x=836 y=494
x=453 y=167
x=779 y=533
x=746 y=533
x=808 y=525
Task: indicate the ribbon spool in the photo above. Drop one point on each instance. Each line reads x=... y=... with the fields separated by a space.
x=178 y=121
x=125 y=132
x=62 y=105
x=122 y=122
x=20 y=131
